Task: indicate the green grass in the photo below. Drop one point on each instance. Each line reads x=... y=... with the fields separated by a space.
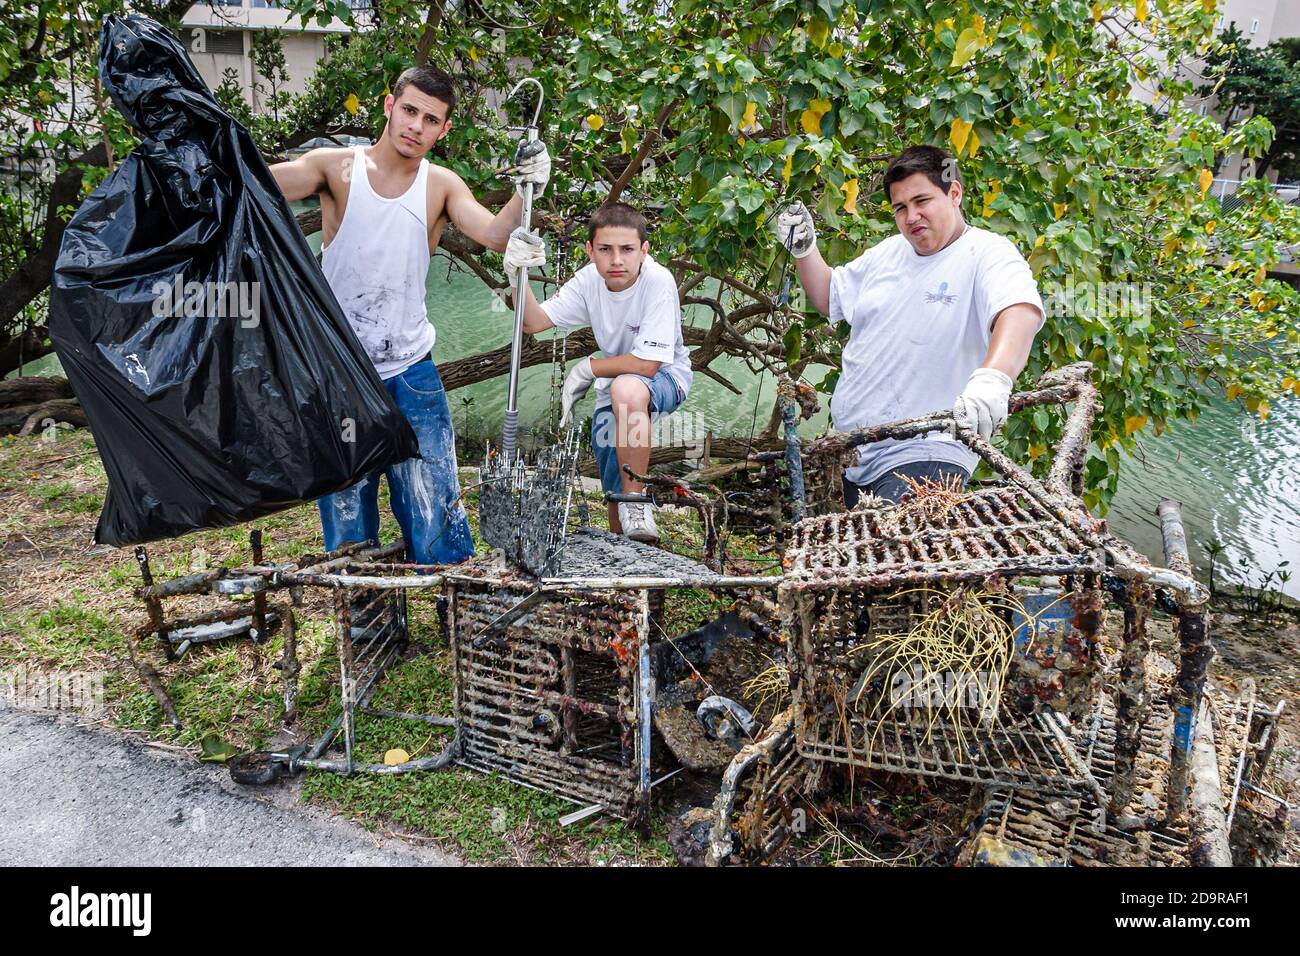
x=74 y=605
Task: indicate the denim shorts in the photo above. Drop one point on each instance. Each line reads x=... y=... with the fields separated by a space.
x=665 y=396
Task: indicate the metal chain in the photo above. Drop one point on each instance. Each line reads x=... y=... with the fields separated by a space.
x=559 y=343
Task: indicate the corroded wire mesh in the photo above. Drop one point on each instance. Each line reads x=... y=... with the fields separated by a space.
x=958 y=726
x=995 y=530
x=759 y=500
x=524 y=508
x=551 y=704
x=1065 y=831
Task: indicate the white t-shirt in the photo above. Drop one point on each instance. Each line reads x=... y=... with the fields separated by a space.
x=920 y=325
x=644 y=320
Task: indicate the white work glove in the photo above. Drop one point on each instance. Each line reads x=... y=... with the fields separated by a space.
x=575 y=386
x=798 y=218
x=525 y=250
x=532 y=165
x=982 y=405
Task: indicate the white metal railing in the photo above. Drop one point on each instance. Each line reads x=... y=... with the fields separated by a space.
x=1223 y=188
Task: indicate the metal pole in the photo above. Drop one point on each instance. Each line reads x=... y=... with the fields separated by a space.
x=1195 y=653
x=793 y=456
x=644 y=699
x=510 y=433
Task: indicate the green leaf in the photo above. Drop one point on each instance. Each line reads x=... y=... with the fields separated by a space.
x=733 y=105
x=215 y=750
x=792 y=340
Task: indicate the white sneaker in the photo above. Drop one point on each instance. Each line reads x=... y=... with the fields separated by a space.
x=638 y=522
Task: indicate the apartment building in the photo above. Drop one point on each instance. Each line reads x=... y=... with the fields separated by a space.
x=220 y=36
x=1262 y=22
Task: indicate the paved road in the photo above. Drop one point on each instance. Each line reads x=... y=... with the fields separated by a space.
x=76 y=796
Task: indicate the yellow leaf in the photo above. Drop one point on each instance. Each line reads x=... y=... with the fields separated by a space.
x=978 y=21
x=1096 y=13
x=749 y=122
x=1037 y=451
x=1038 y=243
x=1015 y=121
x=1189 y=323
x=1209 y=227
x=960 y=133
x=851 y=197
x=1296 y=389
x=1233 y=391
x=1288 y=382
x=1206 y=179
x=787 y=169
x=352 y=104
x=973 y=146
x=1134 y=423
x=740 y=141
x=938 y=27
x=835 y=50
x=473 y=53
x=393 y=757
x=595 y=120
x=1172 y=243
x=811 y=118
x=995 y=187
x=1263 y=409
x=1260 y=275
x=1051 y=54
x=818 y=31
x=1141 y=12
x=1058 y=208
x=968 y=42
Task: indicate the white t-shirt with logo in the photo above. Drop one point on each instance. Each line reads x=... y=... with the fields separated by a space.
x=644 y=320
x=920 y=325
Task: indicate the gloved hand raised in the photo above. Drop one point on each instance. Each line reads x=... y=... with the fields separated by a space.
x=525 y=250
x=982 y=405
x=575 y=386
x=798 y=218
x=532 y=165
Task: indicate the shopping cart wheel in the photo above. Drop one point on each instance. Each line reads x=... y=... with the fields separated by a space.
x=256 y=769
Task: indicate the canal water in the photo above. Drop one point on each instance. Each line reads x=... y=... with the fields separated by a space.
x=1238 y=478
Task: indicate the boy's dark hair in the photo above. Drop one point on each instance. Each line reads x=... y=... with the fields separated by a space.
x=618 y=214
x=430 y=81
x=939 y=167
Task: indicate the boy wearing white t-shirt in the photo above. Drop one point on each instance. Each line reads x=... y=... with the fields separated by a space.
x=631 y=304
x=941 y=315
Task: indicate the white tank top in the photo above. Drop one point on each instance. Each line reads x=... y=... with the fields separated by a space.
x=378 y=264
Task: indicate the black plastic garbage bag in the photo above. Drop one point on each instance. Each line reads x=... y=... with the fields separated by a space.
x=219 y=375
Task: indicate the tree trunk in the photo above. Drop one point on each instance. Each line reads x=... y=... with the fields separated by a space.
x=32 y=390
x=27 y=346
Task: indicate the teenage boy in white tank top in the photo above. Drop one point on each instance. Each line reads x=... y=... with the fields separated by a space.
x=942 y=314
x=383 y=208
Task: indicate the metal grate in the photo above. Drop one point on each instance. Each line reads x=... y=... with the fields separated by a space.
x=1024 y=755
x=524 y=508
x=845 y=721
x=995 y=530
x=1066 y=831
x=553 y=704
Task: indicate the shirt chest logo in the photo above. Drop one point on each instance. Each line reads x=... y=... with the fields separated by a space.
x=943 y=296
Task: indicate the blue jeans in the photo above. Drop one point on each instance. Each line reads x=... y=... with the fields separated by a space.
x=424 y=491
x=665 y=396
